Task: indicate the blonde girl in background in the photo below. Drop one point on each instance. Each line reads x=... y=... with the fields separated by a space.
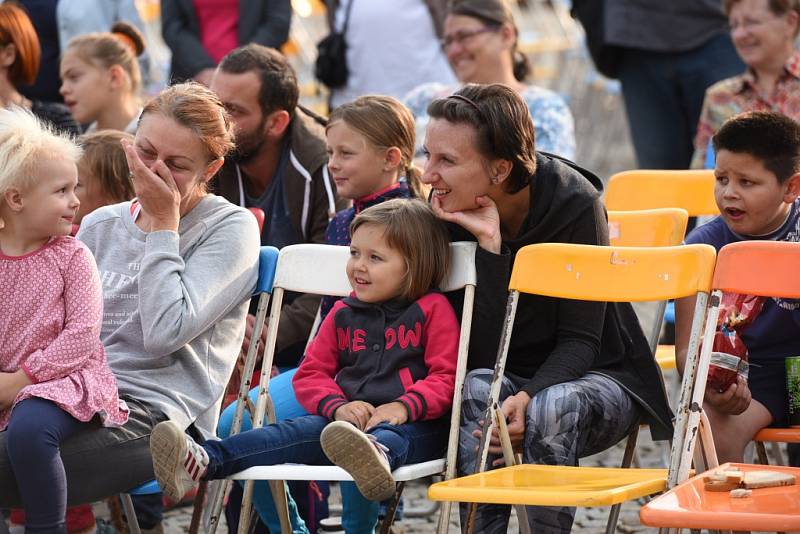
x=103 y=176
x=54 y=376
x=101 y=82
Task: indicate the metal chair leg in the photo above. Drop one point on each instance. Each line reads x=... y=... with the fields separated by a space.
x=761 y=452
x=130 y=513
x=386 y=524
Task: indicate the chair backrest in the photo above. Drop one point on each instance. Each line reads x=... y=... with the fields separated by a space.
x=613 y=274
x=267 y=263
x=663 y=227
x=320 y=269
x=765 y=268
x=692 y=190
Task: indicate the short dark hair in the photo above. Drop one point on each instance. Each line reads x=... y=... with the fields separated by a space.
x=279 y=89
x=770 y=137
x=411 y=228
x=502 y=122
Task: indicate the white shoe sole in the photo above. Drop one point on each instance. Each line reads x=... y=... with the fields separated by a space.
x=350 y=449
x=168 y=448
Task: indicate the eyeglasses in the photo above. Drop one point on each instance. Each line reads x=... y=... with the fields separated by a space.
x=460 y=37
x=750 y=24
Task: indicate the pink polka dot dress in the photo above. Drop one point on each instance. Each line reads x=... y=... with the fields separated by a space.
x=51 y=305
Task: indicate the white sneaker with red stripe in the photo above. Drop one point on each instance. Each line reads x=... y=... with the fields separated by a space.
x=178 y=461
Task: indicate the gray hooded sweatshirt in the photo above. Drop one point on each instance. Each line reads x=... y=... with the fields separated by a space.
x=175 y=303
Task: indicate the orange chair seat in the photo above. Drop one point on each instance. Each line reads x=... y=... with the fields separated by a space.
x=782 y=435
x=688 y=505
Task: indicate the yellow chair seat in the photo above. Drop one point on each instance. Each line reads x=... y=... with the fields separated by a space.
x=548 y=485
x=665 y=357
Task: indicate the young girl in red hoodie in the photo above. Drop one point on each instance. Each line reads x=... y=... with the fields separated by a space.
x=378 y=378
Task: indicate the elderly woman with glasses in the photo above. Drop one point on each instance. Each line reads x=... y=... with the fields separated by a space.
x=480 y=40
x=763 y=32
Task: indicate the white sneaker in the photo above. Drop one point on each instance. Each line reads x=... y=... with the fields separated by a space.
x=178 y=461
x=360 y=455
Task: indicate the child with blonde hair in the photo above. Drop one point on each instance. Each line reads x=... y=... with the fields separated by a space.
x=54 y=377
x=101 y=82
x=103 y=175
x=395 y=328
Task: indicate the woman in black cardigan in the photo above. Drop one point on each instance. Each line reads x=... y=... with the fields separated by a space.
x=579 y=374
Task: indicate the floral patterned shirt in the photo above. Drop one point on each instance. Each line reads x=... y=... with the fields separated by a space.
x=51 y=305
x=735 y=95
x=552 y=120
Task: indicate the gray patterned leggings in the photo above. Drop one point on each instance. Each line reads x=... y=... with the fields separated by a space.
x=564 y=422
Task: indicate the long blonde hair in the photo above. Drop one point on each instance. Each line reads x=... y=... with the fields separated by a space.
x=385 y=122
x=120 y=46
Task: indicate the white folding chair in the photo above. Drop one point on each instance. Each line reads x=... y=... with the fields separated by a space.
x=320 y=270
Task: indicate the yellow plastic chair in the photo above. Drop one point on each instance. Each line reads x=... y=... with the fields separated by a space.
x=660 y=227
x=765 y=268
x=585 y=272
x=691 y=190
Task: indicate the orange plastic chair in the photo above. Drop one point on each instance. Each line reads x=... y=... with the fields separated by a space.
x=765 y=268
x=774 y=435
x=690 y=506
x=692 y=190
x=584 y=272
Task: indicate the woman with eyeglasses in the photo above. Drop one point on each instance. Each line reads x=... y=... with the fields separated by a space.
x=763 y=32
x=480 y=40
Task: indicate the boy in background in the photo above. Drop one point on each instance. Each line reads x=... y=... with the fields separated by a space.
x=757 y=186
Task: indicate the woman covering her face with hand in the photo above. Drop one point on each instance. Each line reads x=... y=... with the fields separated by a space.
x=177 y=266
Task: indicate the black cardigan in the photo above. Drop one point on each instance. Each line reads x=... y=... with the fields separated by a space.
x=559 y=340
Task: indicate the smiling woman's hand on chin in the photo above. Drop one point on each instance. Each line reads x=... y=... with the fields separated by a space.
x=483 y=221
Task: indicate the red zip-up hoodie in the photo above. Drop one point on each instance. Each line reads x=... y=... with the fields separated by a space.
x=381 y=353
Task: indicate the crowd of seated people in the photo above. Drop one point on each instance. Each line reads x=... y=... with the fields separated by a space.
x=128 y=256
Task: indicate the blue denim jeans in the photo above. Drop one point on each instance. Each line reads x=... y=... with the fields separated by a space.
x=664 y=92
x=297 y=441
x=286 y=407
x=359 y=514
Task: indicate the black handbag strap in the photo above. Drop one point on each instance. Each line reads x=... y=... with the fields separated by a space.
x=347 y=15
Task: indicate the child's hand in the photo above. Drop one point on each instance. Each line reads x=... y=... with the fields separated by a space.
x=10 y=386
x=733 y=400
x=393 y=413
x=355 y=412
